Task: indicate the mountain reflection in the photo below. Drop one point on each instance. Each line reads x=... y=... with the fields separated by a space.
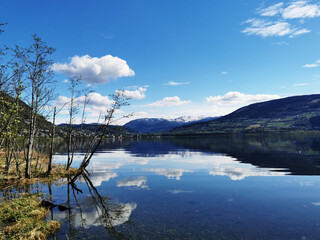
x=267 y=155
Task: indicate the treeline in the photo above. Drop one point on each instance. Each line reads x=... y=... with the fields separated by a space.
x=26 y=74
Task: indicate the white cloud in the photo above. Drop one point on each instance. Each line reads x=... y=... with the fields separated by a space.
x=312 y=65
x=98 y=177
x=301 y=9
x=306 y=184
x=167 y=102
x=299 y=32
x=133 y=182
x=171 y=83
x=118 y=213
x=280 y=14
x=65 y=81
x=179 y=191
x=169 y=172
x=97 y=104
x=280 y=43
x=239 y=173
x=95 y=99
x=272 y=10
x=94 y=69
x=135 y=94
x=300 y=84
x=269 y=28
x=224 y=73
x=237 y=98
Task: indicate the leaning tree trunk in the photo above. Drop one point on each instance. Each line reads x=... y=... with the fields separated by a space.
x=30 y=147
x=53 y=132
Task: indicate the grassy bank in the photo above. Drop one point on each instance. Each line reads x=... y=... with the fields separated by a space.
x=38 y=172
x=24 y=218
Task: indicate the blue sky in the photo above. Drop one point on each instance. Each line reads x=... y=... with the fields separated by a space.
x=175 y=57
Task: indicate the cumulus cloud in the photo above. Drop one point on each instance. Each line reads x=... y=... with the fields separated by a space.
x=167 y=102
x=98 y=177
x=312 y=65
x=97 y=104
x=171 y=83
x=237 y=98
x=118 y=213
x=169 y=172
x=95 y=70
x=138 y=93
x=140 y=182
x=95 y=99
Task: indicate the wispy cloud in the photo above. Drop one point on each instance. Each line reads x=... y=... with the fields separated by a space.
x=301 y=9
x=300 y=84
x=280 y=43
x=278 y=16
x=224 y=73
x=171 y=83
x=167 y=102
x=271 y=10
x=237 y=98
x=312 y=65
x=270 y=28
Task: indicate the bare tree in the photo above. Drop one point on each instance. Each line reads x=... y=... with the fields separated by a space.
x=40 y=77
x=73 y=110
x=118 y=100
x=53 y=133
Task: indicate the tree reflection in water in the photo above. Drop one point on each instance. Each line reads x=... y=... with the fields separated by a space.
x=92 y=211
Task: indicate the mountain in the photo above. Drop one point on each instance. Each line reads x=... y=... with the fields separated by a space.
x=24 y=111
x=91 y=128
x=286 y=114
x=152 y=125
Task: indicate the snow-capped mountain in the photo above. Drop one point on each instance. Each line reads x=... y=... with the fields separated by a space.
x=188 y=119
x=152 y=125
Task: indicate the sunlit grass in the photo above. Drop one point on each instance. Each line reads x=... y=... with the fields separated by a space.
x=24 y=218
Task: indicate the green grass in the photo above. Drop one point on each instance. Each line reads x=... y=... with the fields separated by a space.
x=24 y=218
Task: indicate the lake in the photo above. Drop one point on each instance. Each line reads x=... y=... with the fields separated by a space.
x=194 y=188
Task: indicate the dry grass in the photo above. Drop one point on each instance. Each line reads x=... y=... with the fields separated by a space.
x=24 y=218
x=38 y=172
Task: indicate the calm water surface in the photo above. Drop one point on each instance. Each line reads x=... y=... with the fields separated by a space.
x=195 y=188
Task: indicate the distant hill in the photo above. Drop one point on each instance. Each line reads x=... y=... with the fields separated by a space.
x=91 y=128
x=286 y=114
x=43 y=124
x=153 y=125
